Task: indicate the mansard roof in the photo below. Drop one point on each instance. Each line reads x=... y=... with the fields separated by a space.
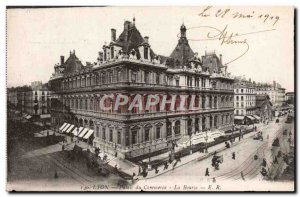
x=212 y=62
x=73 y=64
x=181 y=54
x=131 y=38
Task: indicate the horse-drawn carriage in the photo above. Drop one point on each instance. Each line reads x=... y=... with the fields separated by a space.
x=216 y=161
x=258 y=136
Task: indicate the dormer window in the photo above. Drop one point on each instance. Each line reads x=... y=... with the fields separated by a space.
x=146 y=53
x=112 y=52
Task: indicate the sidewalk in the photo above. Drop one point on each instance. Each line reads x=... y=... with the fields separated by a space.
x=123 y=165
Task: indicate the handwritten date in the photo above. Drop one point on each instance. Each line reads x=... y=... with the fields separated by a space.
x=223 y=13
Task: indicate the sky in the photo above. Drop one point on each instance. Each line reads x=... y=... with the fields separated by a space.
x=36 y=38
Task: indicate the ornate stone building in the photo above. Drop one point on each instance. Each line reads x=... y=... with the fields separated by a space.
x=244 y=97
x=129 y=66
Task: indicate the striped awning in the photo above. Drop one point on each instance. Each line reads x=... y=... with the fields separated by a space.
x=77 y=130
x=256 y=116
x=66 y=127
x=89 y=133
x=250 y=117
x=62 y=126
x=239 y=117
x=28 y=117
x=70 y=129
x=83 y=132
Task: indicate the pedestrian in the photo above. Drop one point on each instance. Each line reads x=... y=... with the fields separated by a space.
x=233 y=155
x=264 y=171
x=140 y=170
x=206 y=172
x=214 y=180
x=242 y=175
x=166 y=166
x=275 y=160
x=156 y=170
x=55 y=174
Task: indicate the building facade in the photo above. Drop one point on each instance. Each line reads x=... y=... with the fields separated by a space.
x=33 y=100
x=289 y=97
x=264 y=107
x=129 y=66
x=244 y=97
x=274 y=91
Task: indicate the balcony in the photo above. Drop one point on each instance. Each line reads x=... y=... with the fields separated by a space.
x=127 y=59
x=141 y=115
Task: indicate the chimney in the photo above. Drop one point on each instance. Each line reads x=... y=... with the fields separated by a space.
x=62 y=60
x=221 y=58
x=146 y=38
x=113 y=35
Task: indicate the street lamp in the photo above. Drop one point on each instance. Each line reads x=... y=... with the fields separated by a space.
x=206 y=138
x=149 y=167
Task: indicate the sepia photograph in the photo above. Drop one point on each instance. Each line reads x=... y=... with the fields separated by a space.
x=153 y=99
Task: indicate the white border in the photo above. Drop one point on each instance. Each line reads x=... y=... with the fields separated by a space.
x=5 y=3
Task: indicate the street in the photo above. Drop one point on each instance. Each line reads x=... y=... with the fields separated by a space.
x=37 y=158
x=243 y=167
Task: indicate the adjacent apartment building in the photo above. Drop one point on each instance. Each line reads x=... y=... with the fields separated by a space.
x=244 y=97
x=274 y=91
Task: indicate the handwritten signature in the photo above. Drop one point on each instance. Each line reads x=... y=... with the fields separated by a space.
x=227 y=38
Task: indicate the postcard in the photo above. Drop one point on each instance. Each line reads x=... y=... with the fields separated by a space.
x=153 y=99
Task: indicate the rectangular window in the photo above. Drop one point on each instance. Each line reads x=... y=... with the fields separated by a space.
x=112 y=52
x=133 y=77
x=157 y=78
x=146 y=53
x=134 y=136
x=147 y=134
x=103 y=134
x=147 y=77
x=177 y=82
x=110 y=135
x=157 y=132
x=119 y=137
x=127 y=142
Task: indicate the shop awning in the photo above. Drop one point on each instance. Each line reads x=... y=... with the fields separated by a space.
x=44 y=116
x=256 y=116
x=89 y=133
x=70 y=129
x=77 y=131
x=28 y=117
x=239 y=117
x=62 y=126
x=83 y=132
x=250 y=117
x=66 y=127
